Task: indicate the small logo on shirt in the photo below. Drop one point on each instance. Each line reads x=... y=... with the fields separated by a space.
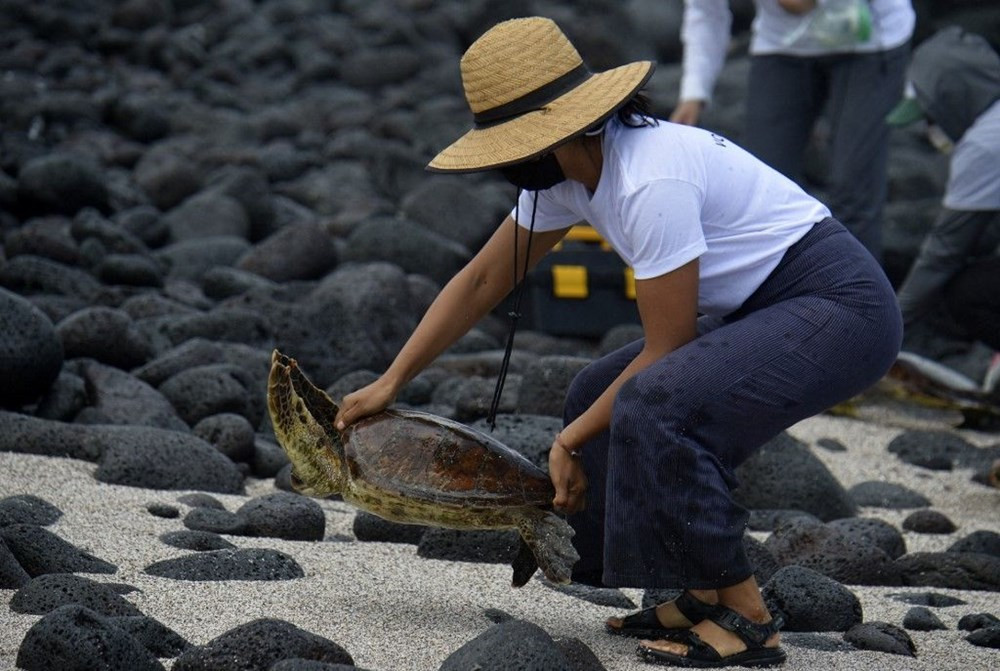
x=719 y=140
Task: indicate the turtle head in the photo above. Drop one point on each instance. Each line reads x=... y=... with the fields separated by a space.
x=302 y=415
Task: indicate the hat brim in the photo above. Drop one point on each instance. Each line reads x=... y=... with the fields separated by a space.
x=906 y=112
x=535 y=133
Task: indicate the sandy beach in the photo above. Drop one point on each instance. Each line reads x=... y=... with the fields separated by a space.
x=394 y=611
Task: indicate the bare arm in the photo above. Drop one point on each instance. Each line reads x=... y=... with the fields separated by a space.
x=467 y=298
x=668 y=308
x=705 y=32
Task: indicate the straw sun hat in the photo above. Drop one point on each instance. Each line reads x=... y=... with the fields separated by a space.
x=529 y=91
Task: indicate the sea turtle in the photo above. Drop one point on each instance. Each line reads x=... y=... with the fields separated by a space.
x=418 y=468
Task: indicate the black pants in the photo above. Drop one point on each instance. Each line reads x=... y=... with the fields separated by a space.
x=785 y=97
x=973 y=299
x=824 y=326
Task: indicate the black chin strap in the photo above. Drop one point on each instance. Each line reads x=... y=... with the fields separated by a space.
x=515 y=314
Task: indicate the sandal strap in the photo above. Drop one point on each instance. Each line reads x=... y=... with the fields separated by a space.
x=753 y=635
x=645 y=618
x=692 y=608
x=697 y=649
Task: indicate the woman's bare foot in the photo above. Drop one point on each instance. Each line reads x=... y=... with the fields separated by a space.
x=668 y=614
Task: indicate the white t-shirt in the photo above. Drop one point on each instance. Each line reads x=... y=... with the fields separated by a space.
x=974 y=179
x=706 y=35
x=669 y=194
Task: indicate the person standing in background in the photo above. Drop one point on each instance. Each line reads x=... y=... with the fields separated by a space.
x=845 y=56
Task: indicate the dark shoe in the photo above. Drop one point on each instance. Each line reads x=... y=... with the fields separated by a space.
x=702 y=655
x=645 y=624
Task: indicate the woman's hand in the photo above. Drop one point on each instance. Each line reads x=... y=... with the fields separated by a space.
x=365 y=401
x=688 y=112
x=567 y=477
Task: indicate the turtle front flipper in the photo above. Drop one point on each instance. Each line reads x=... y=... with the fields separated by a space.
x=550 y=539
x=302 y=416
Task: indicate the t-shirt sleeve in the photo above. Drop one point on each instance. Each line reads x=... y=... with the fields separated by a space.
x=663 y=218
x=550 y=214
x=974 y=182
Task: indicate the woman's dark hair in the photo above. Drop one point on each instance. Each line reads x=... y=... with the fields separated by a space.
x=637 y=112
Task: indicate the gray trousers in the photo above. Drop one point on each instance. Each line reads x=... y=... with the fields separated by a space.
x=824 y=326
x=785 y=97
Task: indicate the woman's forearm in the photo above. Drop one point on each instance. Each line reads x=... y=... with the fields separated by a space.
x=468 y=297
x=465 y=300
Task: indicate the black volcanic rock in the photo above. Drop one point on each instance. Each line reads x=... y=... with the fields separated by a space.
x=769 y=520
x=784 y=475
x=29 y=275
x=76 y=638
x=940 y=450
x=407 y=245
x=156 y=637
x=199 y=541
x=207 y=214
x=930 y=599
x=214 y=520
x=928 y=522
x=810 y=601
x=62 y=183
x=950 y=570
x=881 y=637
x=40 y=551
x=302 y=251
x=976 y=621
x=27 y=509
x=832 y=552
x=48 y=592
x=983 y=541
x=880 y=494
x=12 y=574
x=258 y=645
x=512 y=644
x=161 y=459
x=987 y=637
x=284 y=515
x=247 y=564
x=64 y=399
x=919 y=618
x=121 y=398
x=163 y=510
x=543 y=388
x=229 y=433
x=204 y=391
x=873 y=530
x=31 y=353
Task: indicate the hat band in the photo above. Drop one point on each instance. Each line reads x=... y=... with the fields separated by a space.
x=533 y=100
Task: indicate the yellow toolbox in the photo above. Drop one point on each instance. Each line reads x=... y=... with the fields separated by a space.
x=581 y=288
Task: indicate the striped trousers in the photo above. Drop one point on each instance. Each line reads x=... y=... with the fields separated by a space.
x=824 y=326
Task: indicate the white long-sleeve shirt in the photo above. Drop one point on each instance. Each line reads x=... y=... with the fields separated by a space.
x=706 y=33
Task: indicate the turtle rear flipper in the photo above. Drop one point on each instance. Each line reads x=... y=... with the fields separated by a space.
x=524 y=565
x=549 y=539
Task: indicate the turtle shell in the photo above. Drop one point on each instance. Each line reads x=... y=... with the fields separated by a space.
x=433 y=459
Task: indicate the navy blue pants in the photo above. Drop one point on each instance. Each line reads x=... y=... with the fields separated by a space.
x=824 y=326
x=786 y=95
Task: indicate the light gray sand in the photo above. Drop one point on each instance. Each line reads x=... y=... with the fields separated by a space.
x=394 y=611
